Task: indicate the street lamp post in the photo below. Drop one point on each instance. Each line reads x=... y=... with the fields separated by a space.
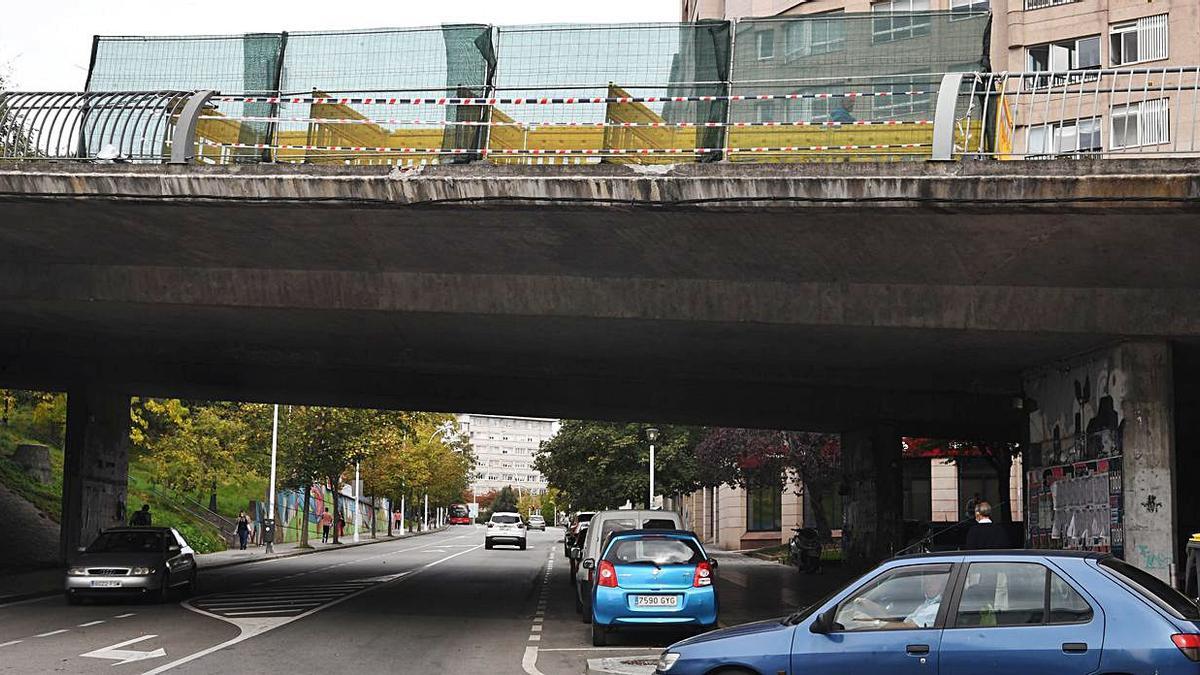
x=357 y=495
x=269 y=526
x=651 y=435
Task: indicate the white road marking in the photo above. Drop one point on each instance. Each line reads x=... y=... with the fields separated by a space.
x=535 y=638
x=251 y=627
x=90 y=623
x=123 y=656
x=53 y=632
x=11 y=643
x=529 y=661
x=125 y=616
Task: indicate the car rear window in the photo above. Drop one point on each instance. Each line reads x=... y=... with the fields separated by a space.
x=615 y=525
x=127 y=542
x=1153 y=589
x=506 y=519
x=654 y=551
x=660 y=524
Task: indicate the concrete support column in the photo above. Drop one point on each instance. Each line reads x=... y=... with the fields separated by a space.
x=875 y=507
x=95 y=464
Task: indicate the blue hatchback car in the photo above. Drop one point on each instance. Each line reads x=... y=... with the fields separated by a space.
x=969 y=613
x=652 y=578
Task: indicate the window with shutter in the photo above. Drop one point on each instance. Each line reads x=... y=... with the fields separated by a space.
x=1145 y=39
x=1142 y=123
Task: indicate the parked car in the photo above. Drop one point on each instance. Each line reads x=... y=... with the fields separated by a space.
x=537 y=522
x=979 y=613
x=600 y=527
x=505 y=528
x=574 y=550
x=652 y=579
x=578 y=522
x=131 y=561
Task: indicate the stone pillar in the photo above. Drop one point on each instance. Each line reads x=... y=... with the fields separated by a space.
x=875 y=504
x=1107 y=417
x=95 y=465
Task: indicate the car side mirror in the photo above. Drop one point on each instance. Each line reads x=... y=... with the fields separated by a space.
x=575 y=552
x=823 y=624
x=173 y=548
x=712 y=562
x=588 y=564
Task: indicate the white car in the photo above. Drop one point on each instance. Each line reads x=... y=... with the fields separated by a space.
x=537 y=522
x=505 y=527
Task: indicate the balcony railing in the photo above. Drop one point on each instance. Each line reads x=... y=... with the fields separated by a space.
x=1041 y=4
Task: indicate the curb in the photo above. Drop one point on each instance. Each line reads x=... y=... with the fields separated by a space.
x=34 y=595
x=298 y=553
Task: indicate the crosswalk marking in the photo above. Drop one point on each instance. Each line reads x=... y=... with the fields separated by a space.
x=284 y=601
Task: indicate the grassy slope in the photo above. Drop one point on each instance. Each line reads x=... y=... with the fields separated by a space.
x=48 y=497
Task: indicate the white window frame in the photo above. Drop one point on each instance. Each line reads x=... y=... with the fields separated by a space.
x=1056 y=132
x=909 y=31
x=759 y=41
x=1153 y=39
x=799 y=35
x=1153 y=122
x=968 y=6
x=1068 y=49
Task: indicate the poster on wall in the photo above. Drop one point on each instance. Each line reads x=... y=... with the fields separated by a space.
x=1077 y=506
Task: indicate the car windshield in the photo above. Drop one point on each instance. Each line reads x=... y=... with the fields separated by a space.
x=459 y=511
x=1153 y=589
x=655 y=551
x=127 y=542
x=536 y=518
x=506 y=520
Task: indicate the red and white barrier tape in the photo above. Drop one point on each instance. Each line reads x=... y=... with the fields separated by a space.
x=531 y=125
x=558 y=100
x=560 y=152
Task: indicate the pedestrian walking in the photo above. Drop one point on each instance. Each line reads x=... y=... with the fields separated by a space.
x=141 y=518
x=984 y=533
x=243 y=529
x=341 y=532
x=326 y=523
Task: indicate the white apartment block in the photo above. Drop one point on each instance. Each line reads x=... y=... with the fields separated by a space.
x=505 y=448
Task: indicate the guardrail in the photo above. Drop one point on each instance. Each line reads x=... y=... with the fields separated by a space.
x=1004 y=116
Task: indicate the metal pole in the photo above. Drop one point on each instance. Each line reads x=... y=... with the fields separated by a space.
x=357 y=489
x=403 y=515
x=650 y=504
x=269 y=541
x=425 y=521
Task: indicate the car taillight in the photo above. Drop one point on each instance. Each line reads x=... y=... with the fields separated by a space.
x=607 y=574
x=703 y=576
x=1189 y=644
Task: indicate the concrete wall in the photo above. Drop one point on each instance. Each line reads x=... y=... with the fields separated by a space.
x=943 y=477
x=1106 y=419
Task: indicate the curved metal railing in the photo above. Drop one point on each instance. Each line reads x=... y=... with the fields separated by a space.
x=131 y=126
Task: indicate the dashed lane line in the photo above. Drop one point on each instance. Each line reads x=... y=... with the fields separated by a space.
x=529 y=659
x=90 y=623
x=11 y=643
x=60 y=631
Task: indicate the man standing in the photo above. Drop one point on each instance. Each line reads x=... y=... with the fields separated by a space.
x=984 y=533
x=326 y=523
x=141 y=518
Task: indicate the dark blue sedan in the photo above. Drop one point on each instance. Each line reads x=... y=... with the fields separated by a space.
x=969 y=613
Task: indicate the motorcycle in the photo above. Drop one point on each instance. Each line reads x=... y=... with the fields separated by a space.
x=804 y=550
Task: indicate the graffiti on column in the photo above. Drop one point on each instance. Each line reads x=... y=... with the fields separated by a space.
x=1075 y=496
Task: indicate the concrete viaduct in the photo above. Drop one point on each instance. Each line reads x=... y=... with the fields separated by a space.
x=877 y=300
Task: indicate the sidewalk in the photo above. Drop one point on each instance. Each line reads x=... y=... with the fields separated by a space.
x=752 y=589
x=15 y=587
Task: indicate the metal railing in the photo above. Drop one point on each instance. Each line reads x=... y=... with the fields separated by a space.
x=1131 y=112
x=133 y=126
x=1108 y=113
x=1040 y=4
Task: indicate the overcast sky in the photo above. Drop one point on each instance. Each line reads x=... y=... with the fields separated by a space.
x=46 y=44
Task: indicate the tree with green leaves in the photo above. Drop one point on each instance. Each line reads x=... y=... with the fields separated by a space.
x=506 y=500
x=599 y=465
x=749 y=458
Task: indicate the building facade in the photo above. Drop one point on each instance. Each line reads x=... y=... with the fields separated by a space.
x=505 y=448
x=937 y=490
x=1027 y=35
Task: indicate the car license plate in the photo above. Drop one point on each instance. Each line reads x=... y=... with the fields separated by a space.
x=656 y=601
x=106 y=583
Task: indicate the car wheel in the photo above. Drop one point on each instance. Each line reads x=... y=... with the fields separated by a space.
x=575 y=592
x=522 y=546
x=73 y=599
x=158 y=595
x=599 y=635
x=190 y=589
x=732 y=671
x=586 y=601
x=487 y=544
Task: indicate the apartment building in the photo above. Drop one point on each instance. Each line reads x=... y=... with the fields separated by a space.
x=504 y=449
x=1127 y=114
